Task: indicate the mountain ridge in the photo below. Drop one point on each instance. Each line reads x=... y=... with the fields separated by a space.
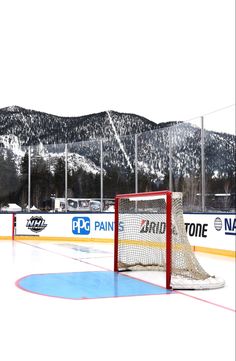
x=33 y=127
x=47 y=135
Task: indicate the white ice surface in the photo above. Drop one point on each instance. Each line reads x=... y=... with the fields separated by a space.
x=188 y=325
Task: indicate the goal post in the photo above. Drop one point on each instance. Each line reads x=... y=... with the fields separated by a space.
x=150 y=235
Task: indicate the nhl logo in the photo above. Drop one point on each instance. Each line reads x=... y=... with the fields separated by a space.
x=36 y=224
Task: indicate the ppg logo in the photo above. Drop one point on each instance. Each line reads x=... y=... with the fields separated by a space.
x=80 y=225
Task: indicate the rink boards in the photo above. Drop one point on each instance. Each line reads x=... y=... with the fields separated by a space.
x=213 y=233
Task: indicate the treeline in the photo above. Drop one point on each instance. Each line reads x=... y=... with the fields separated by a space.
x=46 y=183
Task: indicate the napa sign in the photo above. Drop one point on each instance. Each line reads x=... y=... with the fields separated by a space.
x=211 y=230
x=228 y=225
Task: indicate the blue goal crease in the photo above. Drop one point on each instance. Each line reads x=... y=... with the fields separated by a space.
x=80 y=285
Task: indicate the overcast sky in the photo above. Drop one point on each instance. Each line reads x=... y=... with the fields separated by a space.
x=162 y=59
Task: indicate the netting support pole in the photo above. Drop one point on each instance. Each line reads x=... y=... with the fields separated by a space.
x=101 y=176
x=203 y=190
x=66 y=177
x=136 y=162
x=29 y=177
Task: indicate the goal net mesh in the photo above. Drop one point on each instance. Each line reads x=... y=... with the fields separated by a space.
x=142 y=238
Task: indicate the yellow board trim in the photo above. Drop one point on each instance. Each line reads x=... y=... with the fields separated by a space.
x=62 y=239
x=153 y=244
x=220 y=252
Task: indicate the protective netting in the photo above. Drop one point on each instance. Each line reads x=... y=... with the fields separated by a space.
x=142 y=238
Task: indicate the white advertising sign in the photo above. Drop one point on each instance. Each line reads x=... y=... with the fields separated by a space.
x=5 y=226
x=82 y=225
x=216 y=231
x=211 y=230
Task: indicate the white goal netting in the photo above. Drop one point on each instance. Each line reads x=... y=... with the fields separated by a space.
x=141 y=243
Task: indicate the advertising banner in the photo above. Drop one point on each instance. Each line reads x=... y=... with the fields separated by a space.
x=73 y=225
x=215 y=231
x=6 y=226
x=211 y=230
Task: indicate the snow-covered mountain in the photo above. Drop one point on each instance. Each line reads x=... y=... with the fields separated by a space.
x=158 y=146
x=33 y=127
x=21 y=127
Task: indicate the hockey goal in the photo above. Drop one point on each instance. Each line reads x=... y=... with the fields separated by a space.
x=150 y=235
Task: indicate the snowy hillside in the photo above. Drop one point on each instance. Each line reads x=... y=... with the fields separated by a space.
x=32 y=127
x=158 y=146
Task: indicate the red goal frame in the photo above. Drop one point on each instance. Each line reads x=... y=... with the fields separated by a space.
x=168 y=195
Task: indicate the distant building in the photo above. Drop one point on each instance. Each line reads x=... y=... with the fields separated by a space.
x=11 y=207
